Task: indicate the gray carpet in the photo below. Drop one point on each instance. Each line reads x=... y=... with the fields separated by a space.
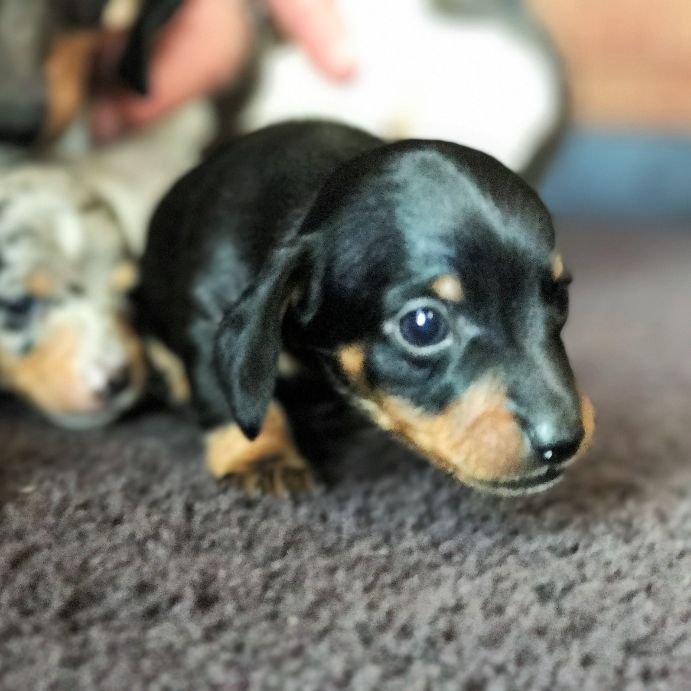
x=124 y=566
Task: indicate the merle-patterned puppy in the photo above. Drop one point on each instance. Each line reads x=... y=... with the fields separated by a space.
x=420 y=277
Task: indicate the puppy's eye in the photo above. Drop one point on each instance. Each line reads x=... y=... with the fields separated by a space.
x=18 y=311
x=19 y=307
x=423 y=327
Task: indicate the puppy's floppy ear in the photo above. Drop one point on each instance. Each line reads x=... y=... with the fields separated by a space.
x=249 y=338
x=135 y=61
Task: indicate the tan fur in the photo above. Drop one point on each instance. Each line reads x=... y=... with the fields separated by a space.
x=124 y=276
x=352 y=360
x=588 y=418
x=170 y=367
x=47 y=374
x=269 y=464
x=448 y=287
x=76 y=222
x=135 y=354
x=474 y=438
x=66 y=74
x=120 y=14
x=40 y=284
x=557 y=266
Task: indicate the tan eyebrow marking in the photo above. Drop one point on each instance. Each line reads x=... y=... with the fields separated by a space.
x=40 y=284
x=557 y=266
x=448 y=287
x=352 y=360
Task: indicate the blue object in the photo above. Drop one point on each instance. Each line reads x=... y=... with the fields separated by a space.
x=620 y=175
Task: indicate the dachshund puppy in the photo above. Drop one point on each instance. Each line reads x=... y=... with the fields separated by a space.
x=420 y=277
x=70 y=234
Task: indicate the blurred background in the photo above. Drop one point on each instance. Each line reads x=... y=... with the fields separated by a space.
x=627 y=152
x=589 y=99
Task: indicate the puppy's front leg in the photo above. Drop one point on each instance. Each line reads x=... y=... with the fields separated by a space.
x=271 y=464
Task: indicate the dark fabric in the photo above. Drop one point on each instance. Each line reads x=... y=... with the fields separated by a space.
x=124 y=565
x=134 y=64
x=80 y=13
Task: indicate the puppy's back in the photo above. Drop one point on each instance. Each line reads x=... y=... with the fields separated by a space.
x=215 y=227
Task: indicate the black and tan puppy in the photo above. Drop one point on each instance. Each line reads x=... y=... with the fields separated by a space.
x=420 y=277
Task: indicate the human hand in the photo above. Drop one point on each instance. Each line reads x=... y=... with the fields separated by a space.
x=317 y=26
x=206 y=44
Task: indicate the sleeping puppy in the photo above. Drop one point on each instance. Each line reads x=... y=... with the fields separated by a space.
x=419 y=277
x=70 y=233
x=65 y=343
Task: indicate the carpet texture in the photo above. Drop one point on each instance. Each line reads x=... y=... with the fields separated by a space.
x=124 y=566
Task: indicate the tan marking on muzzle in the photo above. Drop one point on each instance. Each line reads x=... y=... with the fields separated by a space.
x=66 y=74
x=448 y=287
x=474 y=438
x=47 y=375
x=557 y=266
x=49 y=378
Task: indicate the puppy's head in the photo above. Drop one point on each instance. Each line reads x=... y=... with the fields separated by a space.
x=65 y=341
x=427 y=280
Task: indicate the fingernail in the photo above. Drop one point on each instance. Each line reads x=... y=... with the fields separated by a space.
x=342 y=60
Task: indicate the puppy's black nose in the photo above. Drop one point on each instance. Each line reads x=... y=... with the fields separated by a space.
x=558 y=449
x=116 y=383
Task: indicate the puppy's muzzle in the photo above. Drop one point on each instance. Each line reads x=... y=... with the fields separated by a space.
x=116 y=383
x=552 y=444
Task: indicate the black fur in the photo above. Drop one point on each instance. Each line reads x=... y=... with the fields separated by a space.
x=310 y=236
x=136 y=58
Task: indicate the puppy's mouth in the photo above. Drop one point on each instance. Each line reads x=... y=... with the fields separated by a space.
x=86 y=420
x=527 y=484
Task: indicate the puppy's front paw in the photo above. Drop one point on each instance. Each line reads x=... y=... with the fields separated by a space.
x=283 y=475
x=268 y=465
